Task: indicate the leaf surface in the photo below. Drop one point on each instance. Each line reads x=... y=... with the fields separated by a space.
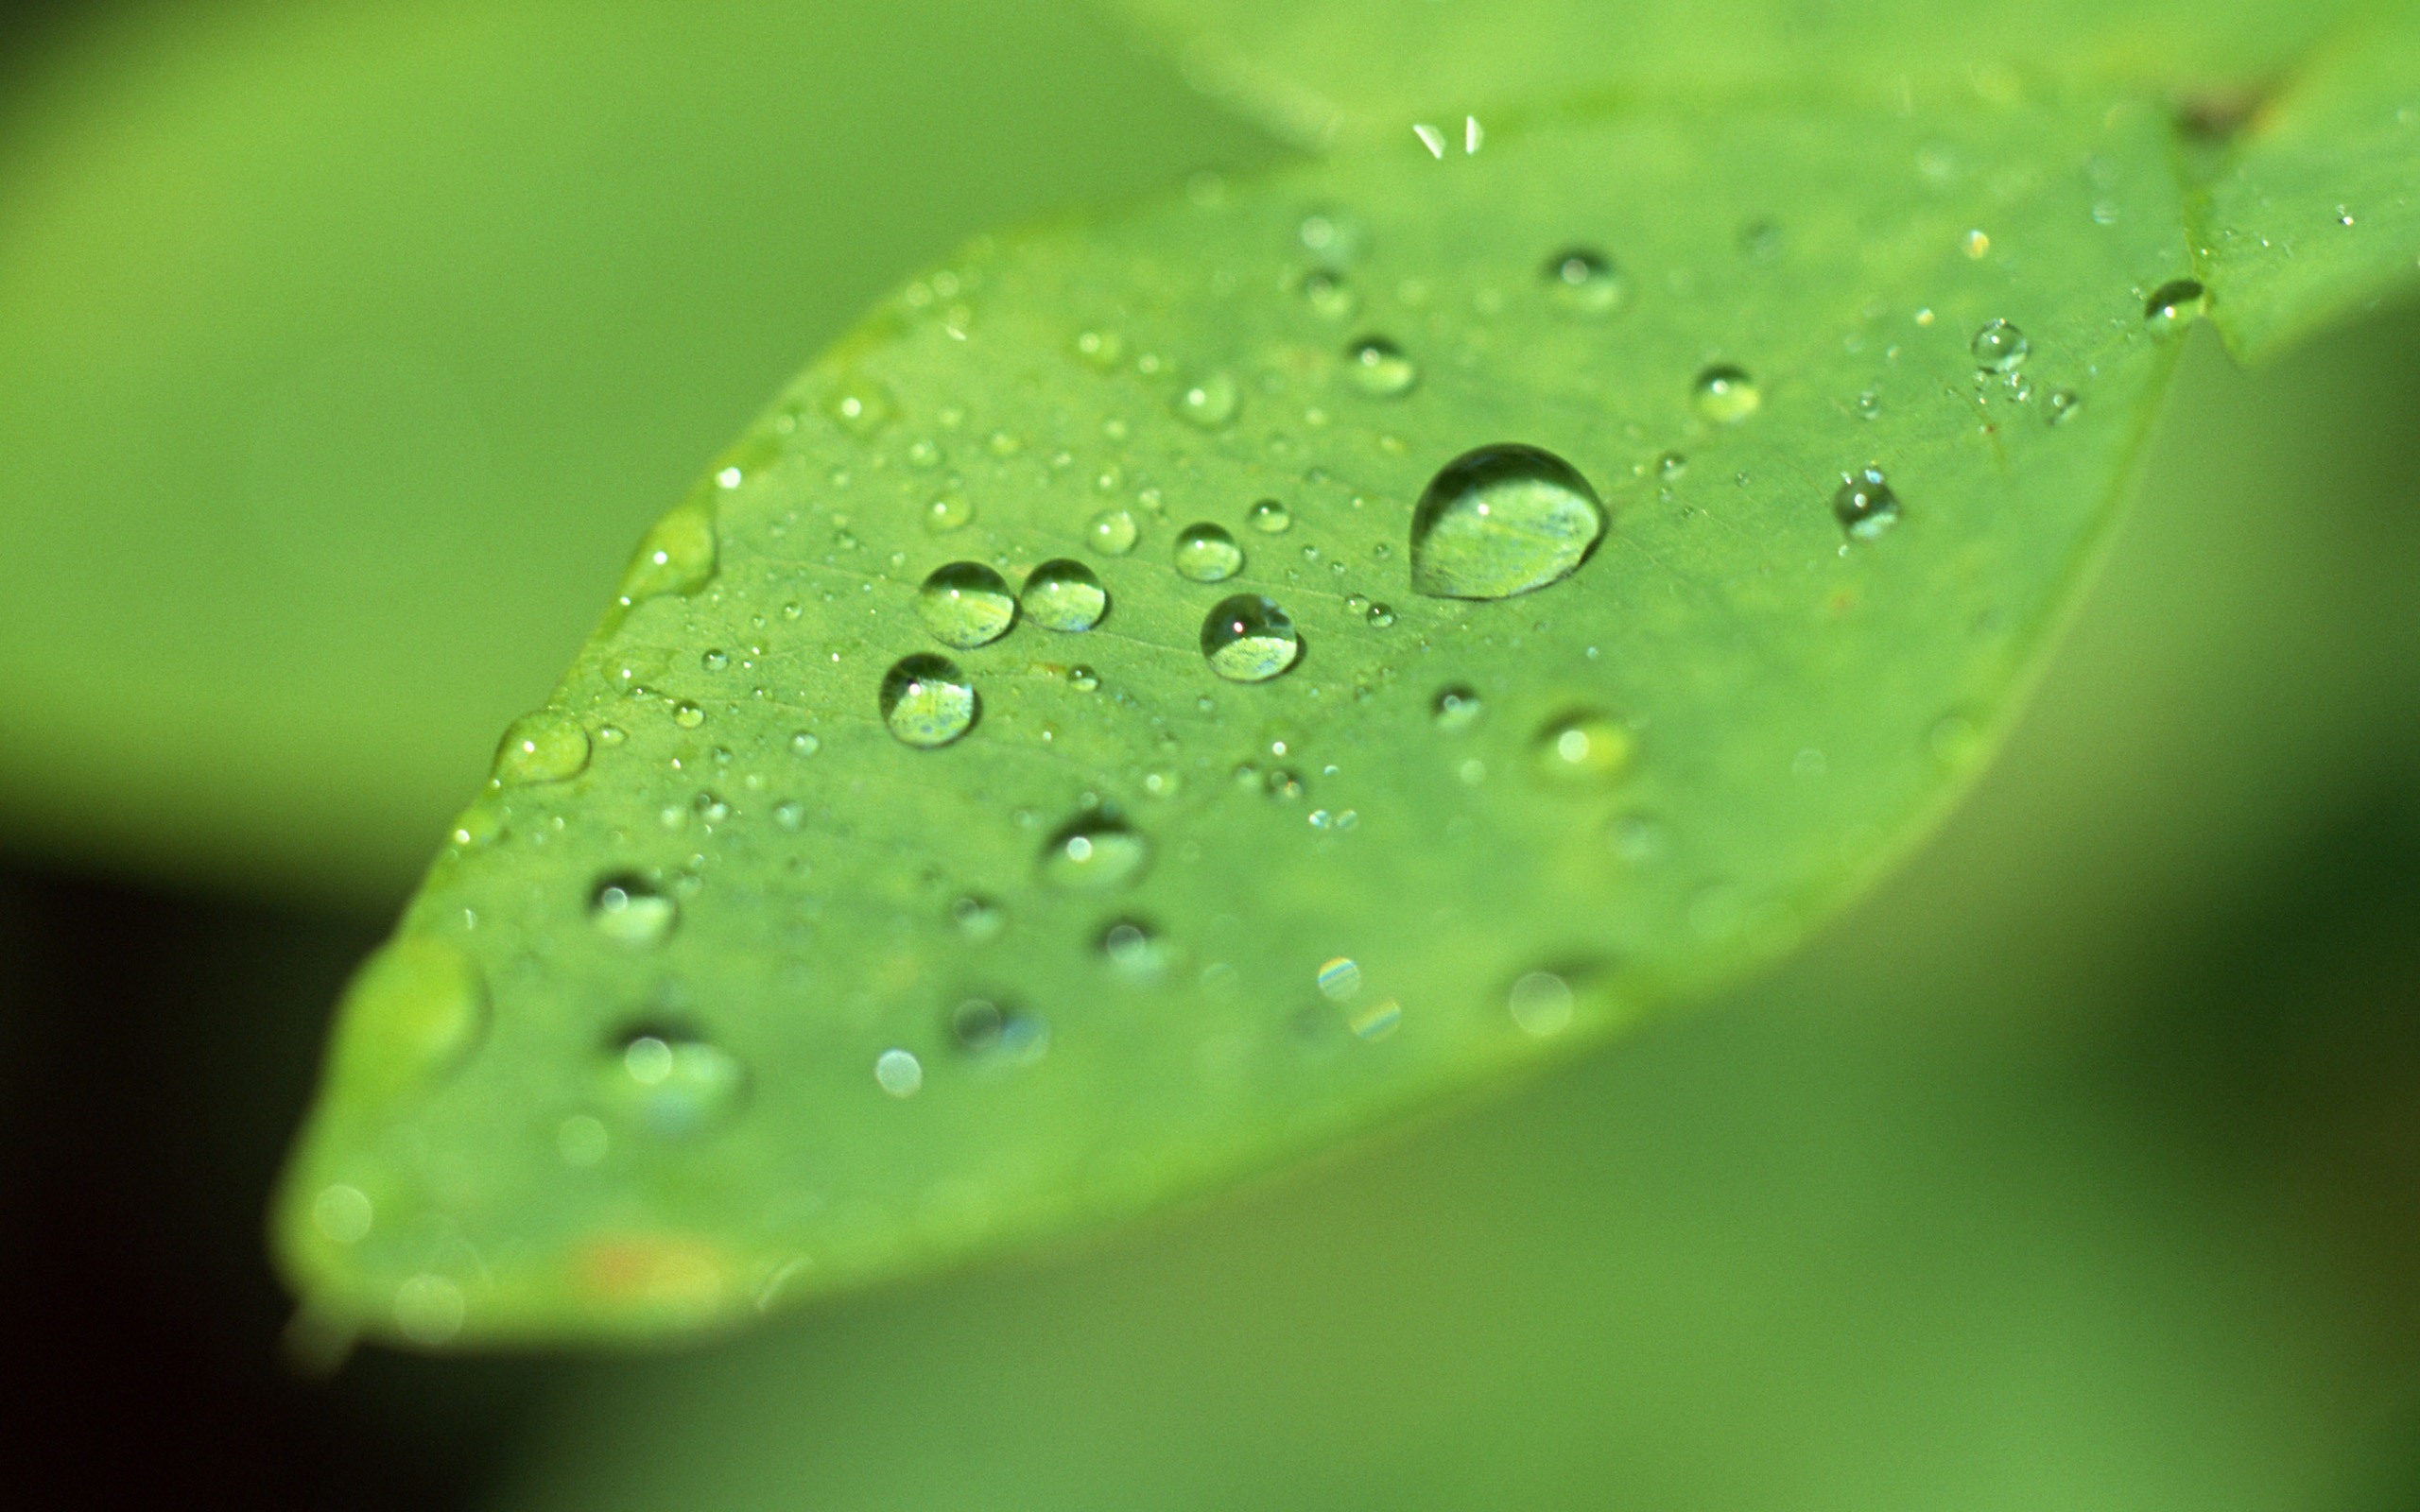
x=729 y=994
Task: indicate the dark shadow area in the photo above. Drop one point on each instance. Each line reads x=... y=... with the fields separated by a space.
x=160 y=1051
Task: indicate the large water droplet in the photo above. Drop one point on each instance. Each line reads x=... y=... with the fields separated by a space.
x=1095 y=853
x=1585 y=746
x=926 y=701
x=1113 y=533
x=1500 y=521
x=673 y=1084
x=1249 y=638
x=1864 y=504
x=966 y=604
x=2175 y=304
x=629 y=910
x=1999 y=347
x=1064 y=595
x=1380 y=369
x=1584 y=279
x=413 y=1014
x=1210 y=402
x=676 y=556
x=1206 y=553
x=1725 y=394
x=546 y=747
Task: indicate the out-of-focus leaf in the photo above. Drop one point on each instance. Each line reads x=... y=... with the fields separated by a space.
x=729 y=993
x=347 y=348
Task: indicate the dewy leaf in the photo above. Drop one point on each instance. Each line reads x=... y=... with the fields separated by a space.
x=2317 y=207
x=884 y=920
x=1353 y=68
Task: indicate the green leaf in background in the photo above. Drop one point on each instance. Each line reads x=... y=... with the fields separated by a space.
x=1354 y=68
x=351 y=347
x=2316 y=208
x=822 y=928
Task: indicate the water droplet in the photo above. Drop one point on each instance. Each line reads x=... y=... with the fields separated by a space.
x=1283 y=783
x=2175 y=304
x=859 y=405
x=341 y=1214
x=1864 y=504
x=1271 y=517
x=1672 y=464
x=1584 y=279
x=629 y=910
x=1249 y=638
x=1334 y=234
x=1456 y=707
x=1083 y=678
x=1113 y=533
x=677 y=556
x=429 y=1310
x=2060 y=406
x=926 y=701
x=1210 y=402
x=672 y=1084
x=1500 y=521
x=1586 y=747
x=1095 y=853
x=415 y=1012
x=804 y=743
x=1379 y=368
x=1381 y=616
x=687 y=715
x=982 y=1027
x=546 y=747
x=1976 y=244
x=1064 y=595
x=1376 y=1021
x=966 y=605
x=1338 y=979
x=1101 y=349
x=1726 y=395
x=714 y=661
x=1206 y=553
x=1329 y=296
x=1999 y=347
x=582 y=1140
x=1135 y=949
x=1541 y=1003
x=948 y=513
x=899 y=1073
x=978 y=918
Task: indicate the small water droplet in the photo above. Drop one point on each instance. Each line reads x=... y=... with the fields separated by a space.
x=1456 y=707
x=1380 y=369
x=899 y=1073
x=1999 y=347
x=2175 y=304
x=1209 y=401
x=2060 y=406
x=1083 y=678
x=672 y=1084
x=714 y=661
x=804 y=743
x=1339 y=979
x=1064 y=596
x=546 y=747
x=1271 y=517
x=1206 y=553
x=1334 y=234
x=1584 y=281
x=582 y=1140
x=677 y=556
x=1381 y=616
x=1093 y=853
x=1329 y=295
x=687 y=715
x=978 y=918
x=1671 y=465
x=950 y=512
x=1585 y=746
x=1249 y=638
x=1500 y=521
x=1541 y=1003
x=926 y=701
x=1103 y=349
x=1865 y=505
x=429 y=1309
x=1113 y=533
x=629 y=910
x=859 y=405
x=1976 y=244
x=341 y=1214
x=966 y=605
x=1376 y=1021
x=1135 y=949
x=1725 y=394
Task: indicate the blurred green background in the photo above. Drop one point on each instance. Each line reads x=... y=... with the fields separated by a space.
x=344 y=348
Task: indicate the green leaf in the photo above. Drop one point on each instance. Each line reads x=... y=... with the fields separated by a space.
x=772 y=1000
x=349 y=348
x=1355 y=68
x=2317 y=209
